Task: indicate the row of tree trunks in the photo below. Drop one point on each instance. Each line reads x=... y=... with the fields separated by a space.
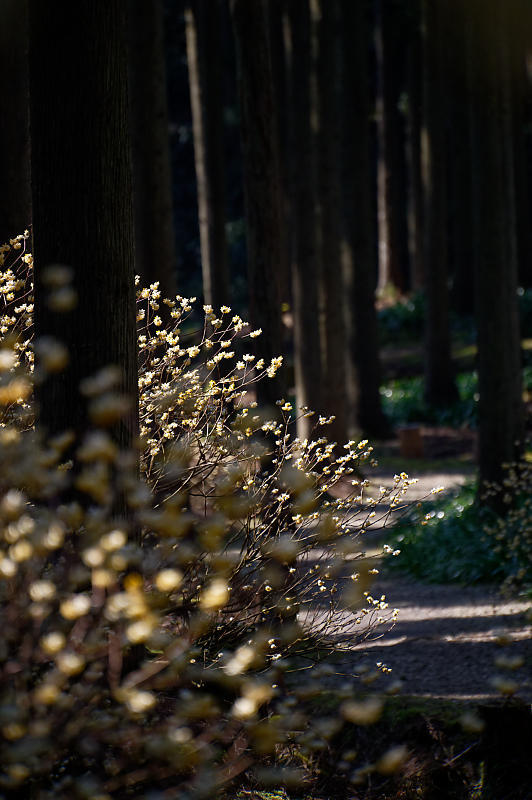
x=80 y=150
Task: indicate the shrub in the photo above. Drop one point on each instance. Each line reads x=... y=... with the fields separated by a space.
x=444 y=541
x=153 y=650
x=456 y=538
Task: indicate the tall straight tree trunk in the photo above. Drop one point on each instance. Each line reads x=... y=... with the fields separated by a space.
x=414 y=77
x=391 y=197
x=262 y=193
x=334 y=329
x=499 y=367
x=15 y=189
x=305 y=273
x=155 y=257
x=205 y=69
x=278 y=20
x=82 y=200
x=520 y=36
x=359 y=223
x=440 y=387
x=460 y=188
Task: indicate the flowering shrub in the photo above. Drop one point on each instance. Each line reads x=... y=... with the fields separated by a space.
x=155 y=650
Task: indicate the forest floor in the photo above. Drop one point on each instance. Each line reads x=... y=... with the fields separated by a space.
x=447 y=637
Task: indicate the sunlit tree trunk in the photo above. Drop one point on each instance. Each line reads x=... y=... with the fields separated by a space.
x=261 y=181
x=391 y=194
x=82 y=199
x=205 y=69
x=440 y=387
x=15 y=191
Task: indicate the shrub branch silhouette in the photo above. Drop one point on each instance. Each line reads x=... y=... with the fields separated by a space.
x=164 y=664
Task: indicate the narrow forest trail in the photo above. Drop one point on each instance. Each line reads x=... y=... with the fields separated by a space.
x=447 y=637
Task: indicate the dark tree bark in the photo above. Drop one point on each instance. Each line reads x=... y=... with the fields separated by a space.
x=414 y=78
x=261 y=182
x=391 y=198
x=15 y=189
x=499 y=368
x=440 y=387
x=520 y=37
x=460 y=189
x=278 y=21
x=334 y=329
x=155 y=258
x=305 y=274
x=82 y=205
x=359 y=223
x=205 y=68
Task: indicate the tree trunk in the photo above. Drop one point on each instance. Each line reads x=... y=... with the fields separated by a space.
x=440 y=387
x=359 y=223
x=82 y=205
x=277 y=21
x=499 y=368
x=203 y=24
x=413 y=148
x=392 y=231
x=155 y=258
x=334 y=329
x=261 y=182
x=520 y=36
x=15 y=189
x=305 y=274
x=459 y=170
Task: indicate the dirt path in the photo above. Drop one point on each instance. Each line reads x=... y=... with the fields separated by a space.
x=447 y=637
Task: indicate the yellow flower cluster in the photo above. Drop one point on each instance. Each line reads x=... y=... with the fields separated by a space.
x=173 y=605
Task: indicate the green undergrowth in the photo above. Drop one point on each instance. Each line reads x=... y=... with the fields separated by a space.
x=404 y=319
x=444 y=541
x=456 y=539
x=403 y=403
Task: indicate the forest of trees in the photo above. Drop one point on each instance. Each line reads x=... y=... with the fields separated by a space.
x=309 y=164
x=340 y=153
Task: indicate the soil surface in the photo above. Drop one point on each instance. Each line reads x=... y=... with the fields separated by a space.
x=447 y=638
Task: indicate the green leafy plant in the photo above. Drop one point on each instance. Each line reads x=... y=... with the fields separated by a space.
x=403 y=403
x=457 y=539
x=445 y=541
